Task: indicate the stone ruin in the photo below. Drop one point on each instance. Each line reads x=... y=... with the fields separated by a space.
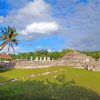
x=74 y=59
x=43 y=59
x=81 y=61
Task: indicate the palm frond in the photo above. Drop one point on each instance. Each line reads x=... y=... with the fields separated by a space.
x=0 y=37
x=12 y=47
x=4 y=37
x=3 y=45
x=8 y=37
x=8 y=47
x=15 y=41
x=5 y=31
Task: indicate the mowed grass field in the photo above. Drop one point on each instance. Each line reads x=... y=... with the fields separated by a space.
x=53 y=83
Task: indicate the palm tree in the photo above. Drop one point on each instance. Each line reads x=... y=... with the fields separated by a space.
x=8 y=37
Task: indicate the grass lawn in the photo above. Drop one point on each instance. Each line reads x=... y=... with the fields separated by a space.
x=53 y=83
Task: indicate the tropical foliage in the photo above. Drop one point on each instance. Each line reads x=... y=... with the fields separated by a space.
x=42 y=53
x=55 y=54
x=94 y=54
x=8 y=37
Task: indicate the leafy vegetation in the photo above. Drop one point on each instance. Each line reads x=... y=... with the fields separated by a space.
x=41 y=53
x=8 y=37
x=55 y=54
x=38 y=90
x=94 y=54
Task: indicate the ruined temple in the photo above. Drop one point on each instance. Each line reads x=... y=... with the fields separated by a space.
x=80 y=60
x=77 y=57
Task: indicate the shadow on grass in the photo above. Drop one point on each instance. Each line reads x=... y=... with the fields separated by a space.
x=40 y=90
x=4 y=69
x=6 y=66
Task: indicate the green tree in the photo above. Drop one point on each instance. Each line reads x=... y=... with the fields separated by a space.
x=8 y=37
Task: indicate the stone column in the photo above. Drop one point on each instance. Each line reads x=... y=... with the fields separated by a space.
x=44 y=59
x=40 y=59
x=26 y=59
x=48 y=58
x=31 y=58
x=99 y=59
x=52 y=59
x=36 y=59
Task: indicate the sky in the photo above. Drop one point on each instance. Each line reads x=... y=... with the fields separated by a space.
x=53 y=24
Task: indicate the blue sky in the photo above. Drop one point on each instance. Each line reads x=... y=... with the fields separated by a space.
x=53 y=24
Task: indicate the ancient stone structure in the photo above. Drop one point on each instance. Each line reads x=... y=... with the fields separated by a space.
x=77 y=57
x=48 y=59
x=42 y=59
x=31 y=59
x=36 y=59
x=80 y=60
x=74 y=59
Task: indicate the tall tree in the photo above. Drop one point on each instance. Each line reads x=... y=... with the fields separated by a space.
x=8 y=37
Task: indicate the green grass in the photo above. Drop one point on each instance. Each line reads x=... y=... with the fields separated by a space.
x=64 y=83
x=20 y=73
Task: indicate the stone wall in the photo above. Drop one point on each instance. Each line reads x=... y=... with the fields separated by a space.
x=75 y=59
x=37 y=64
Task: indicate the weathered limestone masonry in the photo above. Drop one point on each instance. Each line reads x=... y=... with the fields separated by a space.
x=75 y=59
x=80 y=60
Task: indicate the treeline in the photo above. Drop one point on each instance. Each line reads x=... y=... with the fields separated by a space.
x=40 y=53
x=94 y=54
x=55 y=55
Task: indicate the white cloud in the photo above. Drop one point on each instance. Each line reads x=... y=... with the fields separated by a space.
x=1 y=19
x=49 y=50
x=41 y=27
x=43 y=48
x=81 y=27
x=77 y=21
x=35 y=8
x=31 y=12
x=34 y=17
